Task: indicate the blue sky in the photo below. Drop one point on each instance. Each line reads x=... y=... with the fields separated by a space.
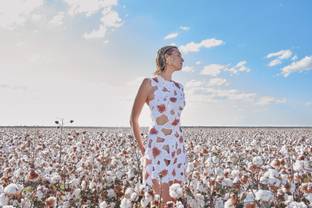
x=244 y=64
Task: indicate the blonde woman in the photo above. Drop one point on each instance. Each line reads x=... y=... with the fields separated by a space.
x=164 y=153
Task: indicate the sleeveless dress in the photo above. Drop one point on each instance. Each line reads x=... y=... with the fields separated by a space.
x=165 y=157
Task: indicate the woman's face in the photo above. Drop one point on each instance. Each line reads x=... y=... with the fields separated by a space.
x=175 y=60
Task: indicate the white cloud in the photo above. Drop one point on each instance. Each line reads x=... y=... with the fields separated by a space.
x=279 y=55
x=239 y=67
x=295 y=57
x=195 y=47
x=197 y=62
x=193 y=83
x=209 y=92
x=15 y=13
x=188 y=69
x=89 y=7
x=267 y=100
x=304 y=64
x=217 y=82
x=171 y=36
x=185 y=28
x=110 y=19
x=58 y=19
x=213 y=69
x=275 y=62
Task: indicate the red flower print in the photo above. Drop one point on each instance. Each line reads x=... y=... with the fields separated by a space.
x=164 y=172
x=177 y=134
x=173 y=99
x=148 y=161
x=167 y=162
x=173 y=154
x=173 y=172
x=175 y=160
x=155 y=151
x=159 y=139
x=153 y=131
x=161 y=108
x=165 y=89
x=181 y=139
x=175 y=122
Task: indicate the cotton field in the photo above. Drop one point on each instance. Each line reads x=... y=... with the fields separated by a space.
x=102 y=167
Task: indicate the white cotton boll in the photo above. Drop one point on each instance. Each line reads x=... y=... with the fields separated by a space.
x=264 y=195
x=25 y=203
x=298 y=165
x=83 y=185
x=284 y=150
x=111 y=193
x=103 y=204
x=296 y=205
x=76 y=193
x=249 y=198
x=215 y=159
x=125 y=203
x=179 y=204
x=235 y=173
x=12 y=188
x=200 y=187
x=226 y=182
x=148 y=197
x=200 y=200
x=175 y=190
x=39 y=194
x=3 y=200
x=55 y=178
x=131 y=173
x=190 y=167
x=219 y=203
x=134 y=196
x=119 y=174
x=197 y=149
x=219 y=171
x=74 y=183
x=257 y=160
x=236 y=180
x=144 y=202
x=128 y=192
x=229 y=204
x=308 y=197
x=91 y=185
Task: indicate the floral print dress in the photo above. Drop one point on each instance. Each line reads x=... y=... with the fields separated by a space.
x=165 y=156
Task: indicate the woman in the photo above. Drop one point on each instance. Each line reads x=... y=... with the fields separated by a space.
x=164 y=154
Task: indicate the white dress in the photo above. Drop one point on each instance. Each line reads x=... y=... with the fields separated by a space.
x=165 y=157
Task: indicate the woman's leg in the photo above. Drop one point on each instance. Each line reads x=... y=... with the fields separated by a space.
x=163 y=191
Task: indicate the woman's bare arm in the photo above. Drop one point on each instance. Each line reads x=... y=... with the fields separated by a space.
x=138 y=104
